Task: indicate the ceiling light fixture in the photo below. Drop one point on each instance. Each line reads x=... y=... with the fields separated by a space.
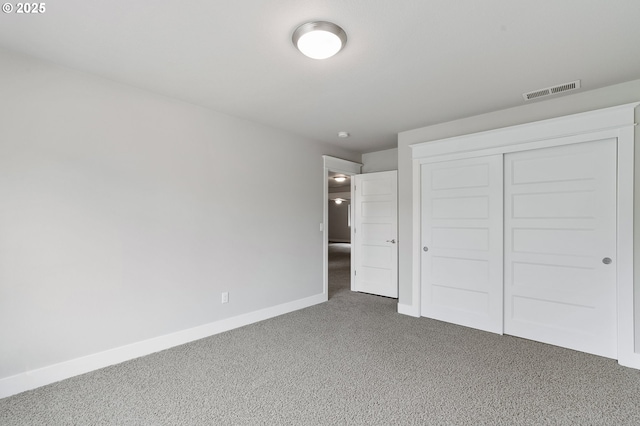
x=340 y=178
x=319 y=39
x=343 y=134
x=338 y=200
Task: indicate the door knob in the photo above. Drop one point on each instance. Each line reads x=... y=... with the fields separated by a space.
x=606 y=260
x=391 y=241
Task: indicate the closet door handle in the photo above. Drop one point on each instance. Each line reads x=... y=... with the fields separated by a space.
x=606 y=260
x=391 y=241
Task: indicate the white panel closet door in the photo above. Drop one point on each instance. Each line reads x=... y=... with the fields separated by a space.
x=376 y=231
x=462 y=242
x=560 y=224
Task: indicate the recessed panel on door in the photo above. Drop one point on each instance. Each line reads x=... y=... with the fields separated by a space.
x=375 y=233
x=460 y=238
x=460 y=208
x=465 y=274
x=371 y=209
x=560 y=224
x=376 y=256
x=376 y=186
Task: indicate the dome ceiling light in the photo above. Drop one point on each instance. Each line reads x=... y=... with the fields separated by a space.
x=319 y=39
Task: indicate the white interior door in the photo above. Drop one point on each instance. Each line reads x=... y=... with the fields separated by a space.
x=375 y=257
x=560 y=224
x=462 y=242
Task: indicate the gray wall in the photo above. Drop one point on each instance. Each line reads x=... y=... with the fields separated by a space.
x=125 y=214
x=380 y=161
x=570 y=104
x=339 y=230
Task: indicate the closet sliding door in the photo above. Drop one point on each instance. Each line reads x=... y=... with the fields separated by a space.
x=461 y=253
x=528 y=230
x=560 y=246
x=533 y=238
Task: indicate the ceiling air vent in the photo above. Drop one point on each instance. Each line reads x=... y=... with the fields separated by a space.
x=551 y=90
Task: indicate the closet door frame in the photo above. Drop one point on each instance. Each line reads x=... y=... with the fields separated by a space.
x=616 y=122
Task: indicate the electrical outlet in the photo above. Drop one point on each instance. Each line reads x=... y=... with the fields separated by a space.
x=225 y=297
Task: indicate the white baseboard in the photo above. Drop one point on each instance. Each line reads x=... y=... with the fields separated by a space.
x=411 y=310
x=631 y=360
x=338 y=240
x=64 y=370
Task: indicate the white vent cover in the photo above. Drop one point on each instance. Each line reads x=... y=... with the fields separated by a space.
x=551 y=90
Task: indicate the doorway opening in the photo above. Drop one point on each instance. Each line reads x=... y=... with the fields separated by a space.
x=341 y=235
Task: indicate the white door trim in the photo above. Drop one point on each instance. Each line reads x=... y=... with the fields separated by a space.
x=346 y=167
x=616 y=122
x=605 y=119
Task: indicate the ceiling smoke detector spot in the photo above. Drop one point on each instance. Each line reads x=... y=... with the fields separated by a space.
x=548 y=91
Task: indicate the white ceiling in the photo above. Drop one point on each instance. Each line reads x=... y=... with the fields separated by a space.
x=407 y=63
